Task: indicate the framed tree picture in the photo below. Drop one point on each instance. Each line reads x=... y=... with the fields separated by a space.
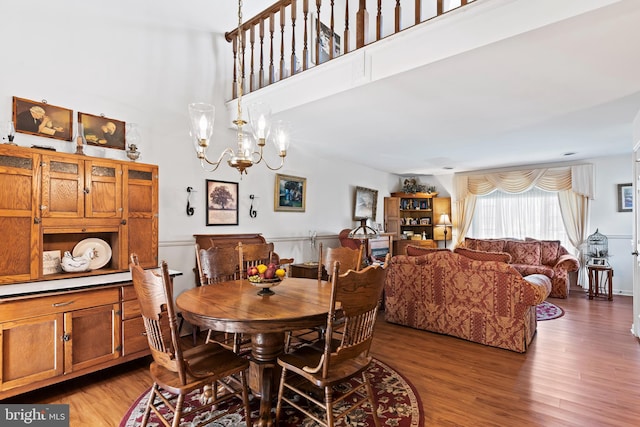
x=365 y=203
x=103 y=131
x=625 y=197
x=222 y=203
x=290 y=193
x=42 y=119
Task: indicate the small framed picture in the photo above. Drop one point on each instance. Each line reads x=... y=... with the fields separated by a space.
x=625 y=197
x=290 y=193
x=425 y=221
x=42 y=119
x=320 y=52
x=222 y=203
x=365 y=203
x=103 y=131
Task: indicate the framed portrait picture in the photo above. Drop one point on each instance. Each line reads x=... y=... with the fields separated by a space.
x=365 y=203
x=290 y=193
x=42 y=119
x=222 y=203
x=103 y=131
x=625 y=197
x=320 y=53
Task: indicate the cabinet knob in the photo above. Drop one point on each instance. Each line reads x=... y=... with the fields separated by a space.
x=86 y=190
x=37 y=220
x=123 y=222
x=66 y=337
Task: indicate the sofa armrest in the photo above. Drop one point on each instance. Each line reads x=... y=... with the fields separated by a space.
x=538 y=291
x=567 y=262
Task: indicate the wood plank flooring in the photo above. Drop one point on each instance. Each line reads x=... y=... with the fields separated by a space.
x=581 y=370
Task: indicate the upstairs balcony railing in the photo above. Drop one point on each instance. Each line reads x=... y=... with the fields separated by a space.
x=292 y=36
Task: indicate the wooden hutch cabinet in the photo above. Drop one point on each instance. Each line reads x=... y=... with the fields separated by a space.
x=52 y=201
x=414 y=214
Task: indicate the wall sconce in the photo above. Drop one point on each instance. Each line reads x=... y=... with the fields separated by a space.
x=190 y=209
x=253 y=212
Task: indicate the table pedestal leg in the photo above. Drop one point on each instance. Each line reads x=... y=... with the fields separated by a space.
x=264 y=372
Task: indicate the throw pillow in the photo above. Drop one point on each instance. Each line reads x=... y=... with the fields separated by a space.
x=549 y=250
x=486 y=245
x=484 y=256
x=524 y=252
x=412 y=250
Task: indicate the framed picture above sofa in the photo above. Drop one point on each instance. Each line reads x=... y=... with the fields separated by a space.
x=625 y=197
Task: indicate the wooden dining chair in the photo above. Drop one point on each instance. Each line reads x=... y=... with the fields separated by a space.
x=215 y=265
x=254 y=254
x=355 y=298
x=176 y=371
x=349 y=259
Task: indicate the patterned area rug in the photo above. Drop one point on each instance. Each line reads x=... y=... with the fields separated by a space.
x=398 y=406
x=548 y=311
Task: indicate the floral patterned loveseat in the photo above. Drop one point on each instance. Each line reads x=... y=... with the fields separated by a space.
x=531 y=256
x=487 y=302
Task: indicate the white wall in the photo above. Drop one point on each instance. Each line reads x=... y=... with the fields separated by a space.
x=617 y=226
x=143 y=62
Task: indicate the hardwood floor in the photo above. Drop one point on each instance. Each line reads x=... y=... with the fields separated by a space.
x=581 y=370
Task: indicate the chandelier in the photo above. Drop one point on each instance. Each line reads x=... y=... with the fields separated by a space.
x=249 y=150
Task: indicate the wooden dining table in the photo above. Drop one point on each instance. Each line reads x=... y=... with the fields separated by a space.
x=236 y=307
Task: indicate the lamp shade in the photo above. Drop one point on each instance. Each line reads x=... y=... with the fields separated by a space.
x=260 y=120
x=202 y=117
x=444 y=221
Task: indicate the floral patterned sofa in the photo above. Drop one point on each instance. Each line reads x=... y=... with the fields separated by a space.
x=487 y=302
x=531 y=256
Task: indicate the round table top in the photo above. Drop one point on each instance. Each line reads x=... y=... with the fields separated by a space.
x=235 y=306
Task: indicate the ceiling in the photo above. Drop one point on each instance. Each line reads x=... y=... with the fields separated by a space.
x=563 y=92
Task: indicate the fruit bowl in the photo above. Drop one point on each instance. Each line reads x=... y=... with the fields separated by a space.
x=265 y=284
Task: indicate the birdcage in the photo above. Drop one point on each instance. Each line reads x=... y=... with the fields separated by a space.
x=598 y=249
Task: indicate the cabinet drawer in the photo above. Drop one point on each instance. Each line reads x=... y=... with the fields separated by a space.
x=128 y=293
x=31 y=307
x=134 y=336
x=130 y=309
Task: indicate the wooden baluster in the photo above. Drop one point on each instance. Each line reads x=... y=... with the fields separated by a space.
x=261 y=75
x=418 y=12
x=331 y=38
x=463 y=2
x=317 y=30
x=346 y=27
x=282 y=42
x=234 y=45
x=398 y=11
x=439 y=8
x=242 y=57
x=379 y=21
x=293 y=37
x=362 y=24
x=305 y=48
x=252 y=42
x=272 y=25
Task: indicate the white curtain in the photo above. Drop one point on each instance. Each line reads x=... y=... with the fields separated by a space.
x=573 y=179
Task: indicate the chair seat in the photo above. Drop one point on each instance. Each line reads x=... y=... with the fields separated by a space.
x=203 y=361
x=309 y=356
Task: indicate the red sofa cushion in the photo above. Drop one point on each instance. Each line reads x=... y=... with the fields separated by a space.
x=524 y=252
x=484 y=256
x=412 y=250
x=485 y=245
x=550 y=250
